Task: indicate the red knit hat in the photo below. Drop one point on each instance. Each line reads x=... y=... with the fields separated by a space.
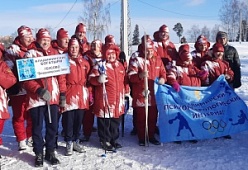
x=98 y=43
x=164 y=28
x=184 y=52
x=62 y=33
x=217 y=47
x=43 y=33
x=80 y=28
x=73 y=41
x=202 y=40
x=24 y=31
x=109 y=39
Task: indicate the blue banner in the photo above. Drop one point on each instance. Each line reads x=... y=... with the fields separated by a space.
x=200 y=112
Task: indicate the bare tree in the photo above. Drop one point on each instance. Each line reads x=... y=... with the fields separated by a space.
x=205 y=31
x=193 y=33
x=96 y=17
x=230 y=17
x=214 y=32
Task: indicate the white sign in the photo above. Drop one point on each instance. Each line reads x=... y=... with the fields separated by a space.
x=41 y=67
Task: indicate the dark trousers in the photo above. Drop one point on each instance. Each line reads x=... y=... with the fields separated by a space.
x=38 y=114
x=141 y=121
x=72 y=124
x=88 y=122
x=108 y=129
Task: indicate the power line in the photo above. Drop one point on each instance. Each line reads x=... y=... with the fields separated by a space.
x=66 y=14
x=173 y=11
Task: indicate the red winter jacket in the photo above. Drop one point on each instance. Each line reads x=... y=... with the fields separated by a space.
x=55 y=84
x=216 y=68
x=155 y=70
x=7 y=79
x=115 y=88
x=77 y=96
x=187 y=75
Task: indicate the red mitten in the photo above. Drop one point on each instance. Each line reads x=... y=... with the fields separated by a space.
x=176 y=86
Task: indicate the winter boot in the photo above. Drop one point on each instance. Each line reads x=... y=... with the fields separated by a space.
x=50 y=157
x=69 y=148
x=107 y=146
x=39 y=160
x=30 y=142
x=22 y=145
x=77 y=147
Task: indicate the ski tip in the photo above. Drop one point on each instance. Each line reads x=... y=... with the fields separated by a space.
x=103 y=155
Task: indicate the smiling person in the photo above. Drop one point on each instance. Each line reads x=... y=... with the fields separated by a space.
x=21 y=120
x=77 y=97
x=41 y=93
x=110 y=82
x=80 y=33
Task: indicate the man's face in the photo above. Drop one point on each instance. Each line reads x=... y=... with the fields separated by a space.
x=26 y=40
x=222 y=40
x=164 y=35
x=63 y=42
x=80 y=35
x=74 y=50
x=45 y=43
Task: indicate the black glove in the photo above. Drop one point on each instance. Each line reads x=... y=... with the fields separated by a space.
x=62 y=100
x=122 y=57
x=44 y=94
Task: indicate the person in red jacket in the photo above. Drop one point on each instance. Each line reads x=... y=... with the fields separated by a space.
x=201 y=51
x=93 y=56
x=77 y=97
x=137 y=74
x=164 y=47
x=7 y=79
x=44 y=95
x=80 y=33
x=61 y=45
x=216 y=66
x=21 y=120
x=109 y=80
x=184 y=72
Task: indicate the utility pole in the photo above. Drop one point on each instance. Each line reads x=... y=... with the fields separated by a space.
x=124 y=25
x=240 y=25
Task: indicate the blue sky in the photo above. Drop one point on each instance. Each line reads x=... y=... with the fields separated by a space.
x=148 y=14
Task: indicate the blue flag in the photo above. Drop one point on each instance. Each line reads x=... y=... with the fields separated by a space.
x=200 y=112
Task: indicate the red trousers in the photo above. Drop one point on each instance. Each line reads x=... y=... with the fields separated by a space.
x=1 y=130
x=22 y=130
x=141 y=121
x=88 y=121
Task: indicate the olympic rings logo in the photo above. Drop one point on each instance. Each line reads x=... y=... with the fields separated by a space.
x=214 y=126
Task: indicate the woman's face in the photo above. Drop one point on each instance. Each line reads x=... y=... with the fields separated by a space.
x=74 y=50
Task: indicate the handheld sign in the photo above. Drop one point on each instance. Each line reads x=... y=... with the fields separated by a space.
x=41 y=67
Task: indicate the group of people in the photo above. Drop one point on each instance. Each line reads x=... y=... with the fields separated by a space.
x=98 y=84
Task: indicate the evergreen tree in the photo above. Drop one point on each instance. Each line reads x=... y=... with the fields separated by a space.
x=178 y=28
x=136 y=35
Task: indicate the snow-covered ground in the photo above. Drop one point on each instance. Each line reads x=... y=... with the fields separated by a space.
x=214 y=154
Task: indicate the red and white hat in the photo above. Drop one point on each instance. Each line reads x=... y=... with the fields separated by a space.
x=164 y=28
x=62 y=33
x=24 y=31
x=218 y=47
x=202 y=40
x=80 y=28
x=73 y=41
x=98 y=43
x=109 y=39
x=184 y=52
x=43 y=33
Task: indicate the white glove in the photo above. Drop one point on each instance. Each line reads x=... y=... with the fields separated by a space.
x=161 y=80
x=31 y=54
x=14 y=50
x=103 y=78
